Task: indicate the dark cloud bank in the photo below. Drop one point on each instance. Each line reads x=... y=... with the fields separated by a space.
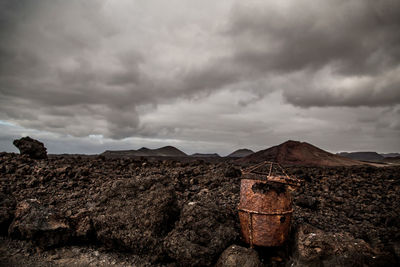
x=114 y=69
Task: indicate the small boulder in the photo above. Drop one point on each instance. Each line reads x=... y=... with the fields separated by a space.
x=206 y=226
x=136 y=220
x=31 y=147
x=237 y=256
x=35 y=222
x=314 y=247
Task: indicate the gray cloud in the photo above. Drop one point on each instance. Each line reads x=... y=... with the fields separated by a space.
x=109 y=68
x=52 y=58
x=353 y=39
x=70 y=54
x=325 y=88
x=357 y=37
x=336 y=53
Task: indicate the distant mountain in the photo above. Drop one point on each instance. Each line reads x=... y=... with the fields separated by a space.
x=240 y=153
x=202 y=155
x=167 y=151
x=390 y=155
x=298 y=153
x=365 y=156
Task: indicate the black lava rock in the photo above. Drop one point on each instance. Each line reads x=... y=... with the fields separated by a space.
x=31 y=147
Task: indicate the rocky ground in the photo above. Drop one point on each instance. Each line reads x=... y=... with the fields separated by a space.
x=83 y=211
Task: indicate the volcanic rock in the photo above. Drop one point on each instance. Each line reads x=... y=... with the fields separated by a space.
x=136 y=217
x=181 y=213
x=298 y=153
x=42 y=225
x=315 y=247
x=237 y=256
x=31 y=147
x=207 y=225
x=7 y=208
x=240 y=153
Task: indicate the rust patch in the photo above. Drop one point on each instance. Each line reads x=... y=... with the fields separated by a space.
x=264 y=188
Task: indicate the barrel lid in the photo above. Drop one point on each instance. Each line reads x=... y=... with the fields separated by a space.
x=269 y=171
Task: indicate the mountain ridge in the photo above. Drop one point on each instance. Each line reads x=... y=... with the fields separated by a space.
x=240 y=153
x=205 y=155
x=166 y=151
x=299 y=153
x=362 y=155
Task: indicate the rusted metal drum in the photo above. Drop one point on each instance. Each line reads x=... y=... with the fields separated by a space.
x=265 y=212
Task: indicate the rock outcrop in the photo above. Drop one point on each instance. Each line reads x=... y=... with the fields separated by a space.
x=31 y=147
x=136 y=216
x=35 y=222
x=206 y=227
x=315 y=247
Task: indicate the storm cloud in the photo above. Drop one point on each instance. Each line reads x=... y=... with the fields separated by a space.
x=202 y=71
x=339 y=53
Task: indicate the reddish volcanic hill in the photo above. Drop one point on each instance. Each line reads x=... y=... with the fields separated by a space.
x=299 y=153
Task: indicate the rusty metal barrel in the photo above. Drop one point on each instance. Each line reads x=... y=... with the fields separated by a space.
x=265 y=209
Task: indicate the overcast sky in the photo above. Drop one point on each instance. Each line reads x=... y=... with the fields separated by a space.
x=204 y=76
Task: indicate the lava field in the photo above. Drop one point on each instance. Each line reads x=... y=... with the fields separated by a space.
x=94 y=211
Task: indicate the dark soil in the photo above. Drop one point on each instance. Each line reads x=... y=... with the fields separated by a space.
x=93 y=211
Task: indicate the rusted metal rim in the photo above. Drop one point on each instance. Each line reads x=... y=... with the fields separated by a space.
x=266 y=213
x=253 y=174
x=274 y=179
